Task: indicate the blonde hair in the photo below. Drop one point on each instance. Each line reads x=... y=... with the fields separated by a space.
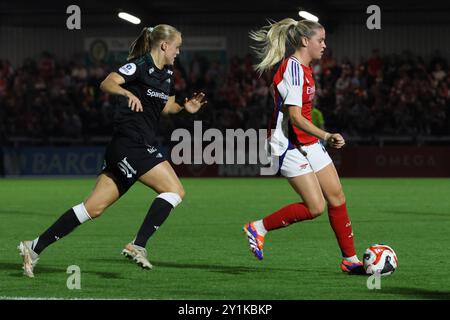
x=277 y=36
x=149 y=38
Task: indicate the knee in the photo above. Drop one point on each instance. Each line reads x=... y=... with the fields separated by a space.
x=173 y=189
x=94 y=214
x=94 y=211
x=181 y=192
x=317 y=208
x=173 y=197
x=337 y=198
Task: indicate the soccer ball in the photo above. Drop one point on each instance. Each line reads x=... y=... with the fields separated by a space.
x=380 y=258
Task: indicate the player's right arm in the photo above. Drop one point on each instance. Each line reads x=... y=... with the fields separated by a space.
x=111 y=85
x=291 y=90
x=298 y=120
x=295 y=115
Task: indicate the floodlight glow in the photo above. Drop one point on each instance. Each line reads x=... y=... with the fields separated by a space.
x=128 y=17
x=308 y=16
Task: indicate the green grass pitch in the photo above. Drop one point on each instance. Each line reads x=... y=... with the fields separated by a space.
x=201 y=251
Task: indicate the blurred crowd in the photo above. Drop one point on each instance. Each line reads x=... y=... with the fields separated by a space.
x=397 y=94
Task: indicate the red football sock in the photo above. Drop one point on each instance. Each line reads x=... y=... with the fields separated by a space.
x=342 y=227
x=285 y=216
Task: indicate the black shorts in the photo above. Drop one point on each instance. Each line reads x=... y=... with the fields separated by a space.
x=127 y=160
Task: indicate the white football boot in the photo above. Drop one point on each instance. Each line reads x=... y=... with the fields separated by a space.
x=137 y=254
x=30 y=258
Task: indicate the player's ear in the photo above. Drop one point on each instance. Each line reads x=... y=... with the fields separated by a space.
x=305 y=41
x=163 y=46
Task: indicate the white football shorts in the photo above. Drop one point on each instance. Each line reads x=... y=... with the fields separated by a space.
x=296 y=164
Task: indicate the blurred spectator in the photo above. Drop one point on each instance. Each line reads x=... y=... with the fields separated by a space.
x=317 y=118
x=438 y=73
x=374 y=64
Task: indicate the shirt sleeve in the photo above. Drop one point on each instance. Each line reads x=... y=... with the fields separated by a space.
x=291 y=87
x=130 y=71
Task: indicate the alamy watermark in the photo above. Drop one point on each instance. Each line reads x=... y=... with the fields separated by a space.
x=374 y=20
x=374 y=281
x=74 y=280
x=212 y=146
x=73 y=22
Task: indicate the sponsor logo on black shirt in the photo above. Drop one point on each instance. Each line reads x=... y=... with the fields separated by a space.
x=155 y=94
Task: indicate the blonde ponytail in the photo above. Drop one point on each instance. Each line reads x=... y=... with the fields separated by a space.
x=149 y=38
x=275 y=38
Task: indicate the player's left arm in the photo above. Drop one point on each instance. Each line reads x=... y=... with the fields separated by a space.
x=171 y=107
x=191 y=105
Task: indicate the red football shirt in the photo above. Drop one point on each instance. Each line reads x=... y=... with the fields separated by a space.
x=294 y=86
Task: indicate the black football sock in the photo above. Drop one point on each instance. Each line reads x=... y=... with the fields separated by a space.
x=157 y=214
x=71 y=219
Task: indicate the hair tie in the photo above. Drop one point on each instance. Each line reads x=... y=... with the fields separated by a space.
x=150 y=29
